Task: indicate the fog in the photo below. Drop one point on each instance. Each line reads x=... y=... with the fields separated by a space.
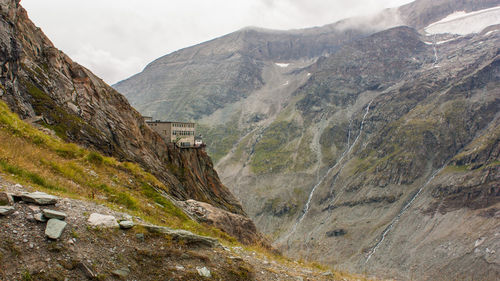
x=117 y=38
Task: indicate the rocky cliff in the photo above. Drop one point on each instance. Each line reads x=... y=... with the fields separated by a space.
x=373 y=146
x=38 y=80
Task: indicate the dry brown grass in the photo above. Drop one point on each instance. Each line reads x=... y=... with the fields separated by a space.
x=46 y=163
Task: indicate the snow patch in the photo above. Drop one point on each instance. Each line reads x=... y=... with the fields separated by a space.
x=490 y=32
x=445 y=41
x=309 y=74
x=282 y=64
x=286 y=83
x=465 y=23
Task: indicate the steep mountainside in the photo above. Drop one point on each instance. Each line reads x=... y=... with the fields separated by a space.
x=89 y=195
x=39 y=80
x=377 y=152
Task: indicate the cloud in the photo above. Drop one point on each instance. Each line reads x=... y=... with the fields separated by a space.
x=104 y=64
x=117 y=38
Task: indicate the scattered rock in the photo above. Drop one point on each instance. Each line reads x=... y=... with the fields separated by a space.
x=40 y=217
x=122 y=272
x=86 y=271
x=40 y=198
x=140 y=237
x=5 y=199
x=187 y=236
x=6 y=210
x=34 y=208
x=51 y=214
x=336 y=232
x=328 y=273
x=203 y=271
x=55 y=228
x=179 y=267
x=126 y=224
x=235 y=258
x=127 y=217
x=96 y=219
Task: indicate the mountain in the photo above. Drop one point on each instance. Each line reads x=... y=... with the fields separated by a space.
x=43 y=85
x=39 y=80
x=370 y=144
x=83 y=240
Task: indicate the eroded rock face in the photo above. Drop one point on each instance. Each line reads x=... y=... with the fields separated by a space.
x=39 y=80
x=235 y=225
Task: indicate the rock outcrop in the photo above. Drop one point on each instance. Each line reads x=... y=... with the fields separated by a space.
x=235 y=225
x=39 y=80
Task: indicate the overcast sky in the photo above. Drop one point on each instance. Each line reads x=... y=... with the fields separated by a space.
x=118 y=38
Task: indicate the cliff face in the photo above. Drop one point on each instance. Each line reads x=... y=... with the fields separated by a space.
x=39 y=80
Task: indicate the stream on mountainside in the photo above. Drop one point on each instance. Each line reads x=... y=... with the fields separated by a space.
x=403 y=210
x=349 y=148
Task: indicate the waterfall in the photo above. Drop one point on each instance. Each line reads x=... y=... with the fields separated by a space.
x=435 y=51
x=306 y=208
x=403 y=210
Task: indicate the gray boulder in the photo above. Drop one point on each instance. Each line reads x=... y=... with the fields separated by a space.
x=203 y=271
x=55 y=228
x=101 y=220
x=6 y=210
x=126 y=224
x=187 y=236
x=40 y=217
x=51 y=214
x=39 y=198
x=122 y=272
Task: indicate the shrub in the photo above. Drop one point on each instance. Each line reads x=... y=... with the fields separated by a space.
x=95 y=158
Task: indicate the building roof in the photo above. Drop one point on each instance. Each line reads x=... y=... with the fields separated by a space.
x=168 y=122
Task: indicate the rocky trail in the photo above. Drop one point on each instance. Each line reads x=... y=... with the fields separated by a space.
x=97 y=243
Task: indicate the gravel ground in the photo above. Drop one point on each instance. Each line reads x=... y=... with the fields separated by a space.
x=85 y=253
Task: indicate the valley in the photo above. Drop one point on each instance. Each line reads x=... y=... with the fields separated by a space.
x=350 y=149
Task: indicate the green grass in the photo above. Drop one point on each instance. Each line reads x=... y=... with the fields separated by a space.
x=65 y=125
x=221 y=138
x=49 y=164
x=27 y=175
x=95 y=158
x=272 y=153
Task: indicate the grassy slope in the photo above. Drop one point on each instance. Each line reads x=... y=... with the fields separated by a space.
x=31 y=157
